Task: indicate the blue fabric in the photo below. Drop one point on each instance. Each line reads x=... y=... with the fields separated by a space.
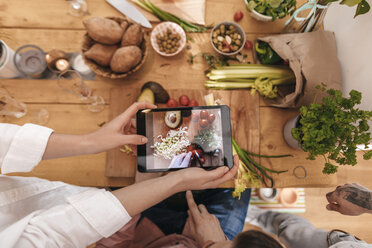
x=170 y=215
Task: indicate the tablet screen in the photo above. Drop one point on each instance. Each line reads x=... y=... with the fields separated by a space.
x=185 y=138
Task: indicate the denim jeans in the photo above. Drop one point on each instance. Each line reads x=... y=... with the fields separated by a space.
x=170 y=215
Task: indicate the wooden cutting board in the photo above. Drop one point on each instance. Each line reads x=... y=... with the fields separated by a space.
x=244 y=121
x=189 y=10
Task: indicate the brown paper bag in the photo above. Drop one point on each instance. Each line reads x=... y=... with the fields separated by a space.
x=313 y=59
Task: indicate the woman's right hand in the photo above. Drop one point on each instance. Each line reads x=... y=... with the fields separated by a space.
x=198 y=178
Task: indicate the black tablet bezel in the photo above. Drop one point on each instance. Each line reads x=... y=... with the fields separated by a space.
x=226 y=134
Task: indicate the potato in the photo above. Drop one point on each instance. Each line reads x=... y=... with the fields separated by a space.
x=124 y=25
x=133 y=36
x=125 y=58
x=101 y=54
x=104 y=30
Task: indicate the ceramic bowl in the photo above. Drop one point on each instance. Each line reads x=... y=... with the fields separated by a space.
x=292 y=123
x=162 y=29
x=267 y=194
x=258 y=16
x=288 y=197
x=240 y=31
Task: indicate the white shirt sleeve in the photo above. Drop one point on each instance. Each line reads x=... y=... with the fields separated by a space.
x=22 y=148
x=85 y=219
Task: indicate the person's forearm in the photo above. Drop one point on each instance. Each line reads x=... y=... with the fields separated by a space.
x=66 y=145
x=140 y=196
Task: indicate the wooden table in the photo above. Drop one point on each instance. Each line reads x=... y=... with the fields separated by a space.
x=48 y=25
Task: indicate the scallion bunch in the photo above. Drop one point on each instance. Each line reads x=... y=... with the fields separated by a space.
x=166 y=16
x=251 y=173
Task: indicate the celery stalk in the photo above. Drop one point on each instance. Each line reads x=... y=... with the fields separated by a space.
x=261 y=78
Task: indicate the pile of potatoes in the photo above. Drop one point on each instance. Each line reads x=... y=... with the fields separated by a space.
x=117 y=45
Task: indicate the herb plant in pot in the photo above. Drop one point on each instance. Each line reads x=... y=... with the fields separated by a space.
x=333 y=129
x=269 y=10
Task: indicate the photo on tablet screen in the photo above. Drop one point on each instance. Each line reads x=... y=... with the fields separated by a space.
x=185 y=138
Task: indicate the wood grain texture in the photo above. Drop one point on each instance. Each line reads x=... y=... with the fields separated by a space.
x=48 y=91
x=54 y=14
x=119 y=164
x=244 y=121
x=273 y=143
x=47 y=24
x=73 y=119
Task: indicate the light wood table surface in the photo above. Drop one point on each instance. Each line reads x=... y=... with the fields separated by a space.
x=48 y=25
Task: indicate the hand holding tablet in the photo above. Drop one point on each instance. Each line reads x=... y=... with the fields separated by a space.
x=184 y=137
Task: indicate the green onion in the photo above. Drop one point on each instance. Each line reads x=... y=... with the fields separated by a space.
x=166 y=16
x=261 y=78
x=253 y=170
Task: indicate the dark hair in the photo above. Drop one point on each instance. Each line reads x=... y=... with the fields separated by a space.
x=255 y=239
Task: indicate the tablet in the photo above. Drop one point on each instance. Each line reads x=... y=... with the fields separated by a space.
x=184 y=137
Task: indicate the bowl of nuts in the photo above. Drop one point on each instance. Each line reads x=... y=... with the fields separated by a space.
x=227 y=38
x=168 y=39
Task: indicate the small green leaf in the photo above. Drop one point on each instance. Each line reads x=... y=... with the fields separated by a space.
x=363 y=7
x=350 y=3
x=251 y=5
x=367 y=155
x=330 y=168
x=274 y=3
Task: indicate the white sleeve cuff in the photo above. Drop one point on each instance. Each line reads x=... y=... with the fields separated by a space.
x=26 y=149
x=101 y=209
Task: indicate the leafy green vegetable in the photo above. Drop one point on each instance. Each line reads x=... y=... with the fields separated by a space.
x=334 y=128
x=362 y=5
x=329 y=168
x=261 y=78
x=251 y=173
x=350 y=3
x=207 y=139
x=274 y=3
x=367 y=155
x=362 y=8
x=266 y=54
x=213 y=60
x=274 y=8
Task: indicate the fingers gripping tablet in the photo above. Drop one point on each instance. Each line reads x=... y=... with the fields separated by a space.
x=184 y=137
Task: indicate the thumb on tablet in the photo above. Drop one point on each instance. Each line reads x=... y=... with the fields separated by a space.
x=134 y=139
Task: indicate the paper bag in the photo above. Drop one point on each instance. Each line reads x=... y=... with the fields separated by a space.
x=313 y=59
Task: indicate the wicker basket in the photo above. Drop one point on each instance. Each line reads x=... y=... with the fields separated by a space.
x=105 y=71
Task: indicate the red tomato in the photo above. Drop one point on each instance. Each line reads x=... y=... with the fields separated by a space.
x=193 y=103
x=238 y=16
x=204 y=114
x=203 y=123
x=211 y=118
x=172 y=103
x=194 y=117
x=248 y=45
x=184 y=100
